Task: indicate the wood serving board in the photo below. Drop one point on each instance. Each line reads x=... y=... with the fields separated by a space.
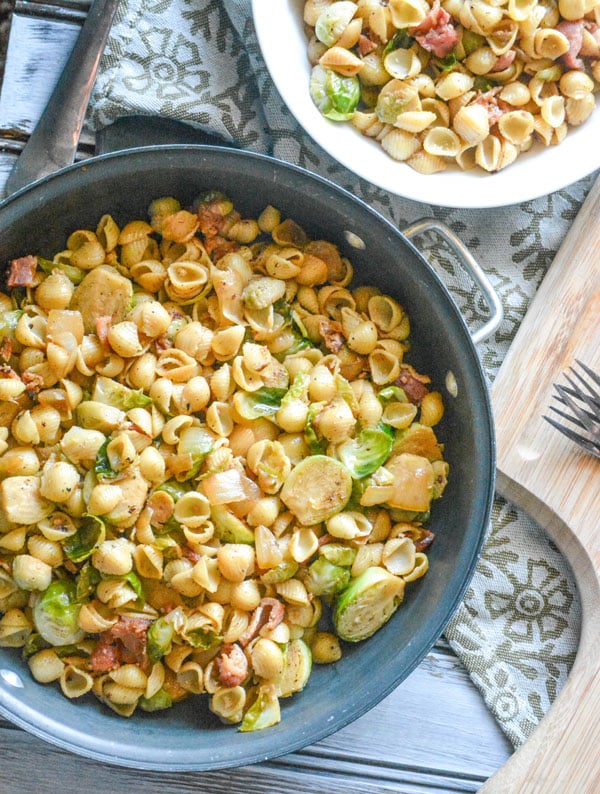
x=559 y=485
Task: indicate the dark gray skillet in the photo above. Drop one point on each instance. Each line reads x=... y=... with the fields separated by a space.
x=39 y=219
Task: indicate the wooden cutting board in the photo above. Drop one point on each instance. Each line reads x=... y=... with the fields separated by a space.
x=559 y=485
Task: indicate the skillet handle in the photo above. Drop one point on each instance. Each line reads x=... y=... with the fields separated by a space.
x=471 y=266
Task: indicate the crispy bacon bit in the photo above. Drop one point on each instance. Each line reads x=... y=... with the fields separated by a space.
x=331 y=333
x=162 y=343
x=33 y=382
x=6 y=348
x=106 y=655
x=218 y=246
x=504 y=61
x=365 y=45
x=426 y=539
x=232 y=665
x=490 y=102
x=123 y=643
x=211 y=219
x=436 y=33
x=22 y=272
x=412 y=383
x=103 y=325
x=573 y=30
x=269 y=613
x=7 y=372
x=190 y=554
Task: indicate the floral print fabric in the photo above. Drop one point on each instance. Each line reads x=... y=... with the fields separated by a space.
x=198 y=61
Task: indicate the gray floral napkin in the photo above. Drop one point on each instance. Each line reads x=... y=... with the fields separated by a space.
x=198 y=61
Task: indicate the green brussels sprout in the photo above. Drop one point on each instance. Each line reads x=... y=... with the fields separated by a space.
x=91 y=533
x=297 y=668
x=56 y=614
x=367 y=603
x=110 y=392
x=262 y=402
x=73 y=273
x=334 y=95
x=368 y=451
x=325 y=578
x=160 y=700
x=160 y=636
x=333 y=20
x=264 y=712
x=338 y=553
x=317 y=488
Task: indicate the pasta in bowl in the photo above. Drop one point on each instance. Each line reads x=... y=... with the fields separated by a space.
x=208 y=439
x=188 y=736
x=494 y=102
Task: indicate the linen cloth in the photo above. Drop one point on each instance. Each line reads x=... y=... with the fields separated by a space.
x=198 y=61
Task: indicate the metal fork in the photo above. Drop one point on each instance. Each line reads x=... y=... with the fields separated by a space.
x=582 y=400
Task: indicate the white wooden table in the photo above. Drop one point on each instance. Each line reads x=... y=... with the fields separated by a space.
x=432 y=734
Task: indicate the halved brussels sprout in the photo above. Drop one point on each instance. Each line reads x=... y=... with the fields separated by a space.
x=367 y=452
x=111 y=392
x=298 y=665
x=160 y=636
x=56 y=614
x=264 y=712
x=91 y=533
x=317 y=488
x=367 y=603
x=334 y=95
x=325 y=578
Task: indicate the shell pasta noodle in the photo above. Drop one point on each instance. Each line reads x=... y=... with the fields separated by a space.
x=216 y=465
x=467 y=82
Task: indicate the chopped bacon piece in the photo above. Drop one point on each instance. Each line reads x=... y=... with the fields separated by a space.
x=133 y=634
x=218 y=246
x=33 y=381
x=504 y=61
x=365 y=45
x=123 y=643
x=331 y=333
x=413 y=384
x=573 y=30
x=426 y=539
x=106 y=655
x=6 y=348
x=162 y=343
x=103 y=325
x=190 y=554
x=211 y=219
x=436 y=32
x=7 y=372
x=22 y=272
x=489 y=100
x=232 y=665
x=269 y=613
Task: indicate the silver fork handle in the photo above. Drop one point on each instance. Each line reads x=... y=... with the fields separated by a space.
x=471 y=265
x=53 y=143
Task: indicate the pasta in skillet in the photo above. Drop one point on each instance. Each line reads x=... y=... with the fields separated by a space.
x=470 y=82
x=208 y=439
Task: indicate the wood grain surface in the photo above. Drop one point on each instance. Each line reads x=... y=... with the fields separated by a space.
x=559 y=485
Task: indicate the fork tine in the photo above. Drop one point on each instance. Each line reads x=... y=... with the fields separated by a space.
x=583 y=442
x=591 y=397
x=586 y=419
x=566 y=416
x=589 y=372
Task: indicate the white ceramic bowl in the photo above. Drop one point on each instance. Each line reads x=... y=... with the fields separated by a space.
x=540 y=171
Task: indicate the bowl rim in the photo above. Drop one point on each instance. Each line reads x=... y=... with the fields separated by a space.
x=68 y=737
x=536 y=173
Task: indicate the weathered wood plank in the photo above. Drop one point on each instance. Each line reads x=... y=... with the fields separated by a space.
x=38 y=49
x=433 y=733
